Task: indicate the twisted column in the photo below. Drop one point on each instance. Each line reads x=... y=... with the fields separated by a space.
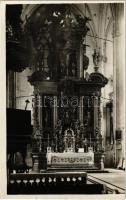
x=95 y=98
x=37 y=112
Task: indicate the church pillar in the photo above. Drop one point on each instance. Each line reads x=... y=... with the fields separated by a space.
x=11 y=89
x=119 y=84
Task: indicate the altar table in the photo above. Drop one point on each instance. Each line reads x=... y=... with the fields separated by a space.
x=70 y=159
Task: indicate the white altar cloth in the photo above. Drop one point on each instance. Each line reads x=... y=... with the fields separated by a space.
x=70 y=158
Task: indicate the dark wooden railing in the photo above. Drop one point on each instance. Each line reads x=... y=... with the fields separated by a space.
x=47 y=183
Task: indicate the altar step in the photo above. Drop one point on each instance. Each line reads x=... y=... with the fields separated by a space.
x=92 y=170
x=76 y=168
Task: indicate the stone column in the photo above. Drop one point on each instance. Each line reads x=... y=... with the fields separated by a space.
x=11 y=89
x=119 y=77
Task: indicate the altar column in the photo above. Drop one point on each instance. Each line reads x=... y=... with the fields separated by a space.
x=97 y=123
x=55 y=112
x=37 y=112
x=81 y=109
x=81 y=71
x=99 y=114
x=37 y=130
x=95 y=99
x=40 y=111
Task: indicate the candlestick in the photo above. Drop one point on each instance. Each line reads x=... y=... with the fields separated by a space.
x=48 y=140
x=90 y=140
x=56 y=143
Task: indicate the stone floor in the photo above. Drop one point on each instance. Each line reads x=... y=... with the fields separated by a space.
x=115 y=177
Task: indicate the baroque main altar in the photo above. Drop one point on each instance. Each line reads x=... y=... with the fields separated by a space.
x=66 y=104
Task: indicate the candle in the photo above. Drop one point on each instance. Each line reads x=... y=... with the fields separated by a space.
x=90 y=140
x=56 y=143
x=48 y=140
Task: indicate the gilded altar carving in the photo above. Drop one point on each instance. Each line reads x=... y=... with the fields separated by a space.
x=69 y=141
x=72 y=125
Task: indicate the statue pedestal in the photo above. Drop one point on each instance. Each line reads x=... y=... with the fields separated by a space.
x=102 y=162
x=39 y=162
x=99 y=160
x=35 y=159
